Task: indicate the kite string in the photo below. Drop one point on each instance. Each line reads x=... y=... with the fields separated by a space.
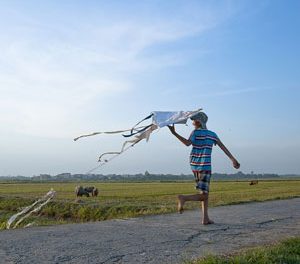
x=104 y=163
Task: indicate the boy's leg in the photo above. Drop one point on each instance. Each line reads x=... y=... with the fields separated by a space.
x=185 y=198
x=203 y=197
x=205 y=218
x=203 y=185
x=203 y=180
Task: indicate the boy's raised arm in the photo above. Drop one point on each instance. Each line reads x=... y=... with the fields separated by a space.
x=235 y=163
x=182 y=139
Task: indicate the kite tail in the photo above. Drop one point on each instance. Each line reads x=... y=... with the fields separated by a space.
x=141 y=128
x=144 y=135
x=33 y=208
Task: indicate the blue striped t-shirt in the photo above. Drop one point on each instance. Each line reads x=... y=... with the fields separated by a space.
x=202 y=142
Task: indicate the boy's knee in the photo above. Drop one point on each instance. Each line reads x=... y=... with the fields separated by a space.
x=204 y=196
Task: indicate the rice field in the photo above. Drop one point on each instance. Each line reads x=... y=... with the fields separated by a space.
x=129 y=199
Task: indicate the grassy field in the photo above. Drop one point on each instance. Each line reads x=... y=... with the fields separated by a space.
x=286 y=252
x=121 y=200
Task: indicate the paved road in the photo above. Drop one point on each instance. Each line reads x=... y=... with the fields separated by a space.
x=155 y=239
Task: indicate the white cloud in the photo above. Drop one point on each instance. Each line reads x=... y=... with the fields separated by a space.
x=49 y=74
x=41 y=89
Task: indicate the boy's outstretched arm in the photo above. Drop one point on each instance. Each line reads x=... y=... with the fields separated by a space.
x=182 y=139
x=235 y=163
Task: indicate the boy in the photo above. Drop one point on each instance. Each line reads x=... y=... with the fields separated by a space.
x=202 y=141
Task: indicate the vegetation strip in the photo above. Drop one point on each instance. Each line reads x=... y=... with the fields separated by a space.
x=287 y=251
x=123 y=200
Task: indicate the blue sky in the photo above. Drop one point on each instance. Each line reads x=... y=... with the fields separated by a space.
x=71 y=67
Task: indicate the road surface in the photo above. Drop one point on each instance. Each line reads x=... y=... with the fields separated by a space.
x=170 y=238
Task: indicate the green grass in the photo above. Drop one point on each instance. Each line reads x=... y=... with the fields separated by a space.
x=285 y=252
x=123 y=200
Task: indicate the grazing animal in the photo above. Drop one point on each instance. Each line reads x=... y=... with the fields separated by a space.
x=253 y=182
x=95 y=192
x=86 y=191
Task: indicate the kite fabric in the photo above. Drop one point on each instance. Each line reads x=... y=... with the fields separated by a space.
x=159 y=119
x=28 y=210
x=162 y=119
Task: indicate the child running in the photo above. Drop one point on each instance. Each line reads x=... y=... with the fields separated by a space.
x=202 y=141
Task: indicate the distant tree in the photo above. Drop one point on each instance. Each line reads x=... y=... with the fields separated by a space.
x=147 y=173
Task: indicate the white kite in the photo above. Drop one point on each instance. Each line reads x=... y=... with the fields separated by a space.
x=159 y=119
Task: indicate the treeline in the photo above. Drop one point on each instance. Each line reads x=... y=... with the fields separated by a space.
x=64 y=177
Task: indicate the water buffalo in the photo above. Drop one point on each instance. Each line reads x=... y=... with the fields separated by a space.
x=86 y=191
x=253 y=182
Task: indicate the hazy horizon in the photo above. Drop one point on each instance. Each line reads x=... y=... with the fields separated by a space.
x=143 y=173
x=74 y=67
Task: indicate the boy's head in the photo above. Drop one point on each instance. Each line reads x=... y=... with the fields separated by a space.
x=199 y=120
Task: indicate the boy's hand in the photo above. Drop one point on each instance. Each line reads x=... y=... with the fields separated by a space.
x=172 y=129
x=235 y=164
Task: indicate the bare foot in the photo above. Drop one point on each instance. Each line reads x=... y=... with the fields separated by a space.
x=208 y=222
x=180 y=203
